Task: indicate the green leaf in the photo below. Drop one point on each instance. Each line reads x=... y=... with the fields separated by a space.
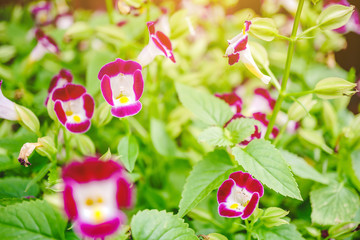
x=15 y=187
x=262 y=160
x=44 y=170
x=216 y=236
x=155 y=225
x=333 y=204
x=6 y=163
x=161 y=139
x=97 y=60
x=206 y=107
x=215 y=136
x=355 y=156
x=241 y=128
x=302 y=169
x=283 y=232
x=206 y=176
x=128 y=150
x=31 y=220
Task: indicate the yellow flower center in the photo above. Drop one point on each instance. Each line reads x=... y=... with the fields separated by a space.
x=244 y=28
x=69 y=113
x=122 y=98
x=89 y=202
x=98 y=216
x=77 y=119
x=234 y=206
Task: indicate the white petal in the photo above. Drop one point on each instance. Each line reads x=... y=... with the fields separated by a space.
x=7 y=108
x=247 y=59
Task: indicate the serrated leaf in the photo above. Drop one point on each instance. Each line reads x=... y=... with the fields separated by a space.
x=283 y=232
x=128 y=150
x=155 y=225
x=333 y=204
x=241 y=128
x=214 y=136
x=14 y=187
x=31 y=220
x=206 y=176
x=262 y=160
x=206 y=107
x=161 y=139
x=302 y=169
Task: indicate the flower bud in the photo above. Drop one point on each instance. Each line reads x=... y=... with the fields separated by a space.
x=314 y=138
x=297 y=111
x=27 y=118
x=102 y=115
x=50 y=110
x=263 y=28
x=329 y=117
x=79 y=30
x=84 y=144
x=343 y=229
x=216 y=236
x=47 y=147
x=334 y=16
x=334 y=87
x=272 y=217
x=259 y=53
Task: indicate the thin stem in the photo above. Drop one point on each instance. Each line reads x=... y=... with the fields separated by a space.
x=110 y=9
x=284 y=82
x=273 y=78
x=126 y=126
x=307 y=31
x=282 y=130
x=67 y=144
x=248 y=230
x=282 y=37
x=298 y=94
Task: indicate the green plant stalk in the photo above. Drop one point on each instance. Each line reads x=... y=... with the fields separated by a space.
x=290 y=54
x=299 y=94
x=110 y=9
x=273 y=78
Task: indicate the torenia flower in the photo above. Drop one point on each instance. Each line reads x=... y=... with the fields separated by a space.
x=94 y=193
x=58 y=81
x=261 y=102
x=122 y=85
x=41 y=12
x=26 y=151
x=64 y=20
x=233 y=100
x=239 y=195
x=73 y=107
x=7 y=107
x=159 y=43
x=239 y=49
x=45 y=44
x=353 y=25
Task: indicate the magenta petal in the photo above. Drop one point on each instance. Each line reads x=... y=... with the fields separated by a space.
x=234 y=58
x=241 y=45
x=69 y=92
x=124 y=193
x=69 y=203
x=226 y=212
x=138 y=84
x=118 y=66
x=101 y=230
x=106 y=90
x=60 y=113
x=164 y=40
x=240 y=178
x=249 y=209
x=127 y=110
x=225 y=190
x=245 y=180
x=78 y=127
x=89 y=105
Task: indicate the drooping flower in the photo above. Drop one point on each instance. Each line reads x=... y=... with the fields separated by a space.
x=159 y=43
x=122 y=85
x=7 y=107
x=26 y=151
x=239 y=49
x=239 y=195
x=41 y=13
x=59 y=81
x=233 y=100
x=353 y=25
x=73 y=107
x=94 y=193
x=45 y=45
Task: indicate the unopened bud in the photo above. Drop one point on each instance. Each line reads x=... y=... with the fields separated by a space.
x=259 y=53
x=27 y=118
x=263 y=28
x=334 y=16
x=334 y=87
x=102 y=115
x=300 y=108
x=47 y=147
x=79 y=30
x=314 y=138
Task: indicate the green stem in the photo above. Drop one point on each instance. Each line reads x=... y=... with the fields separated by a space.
x=248 y=230
x=282 y=37
x=126 y=126
x=282 y=130
x=307 y=31
x=298 y=94
x=290 y=54
x=273 y=78
x=110 y=9
x=67 y=144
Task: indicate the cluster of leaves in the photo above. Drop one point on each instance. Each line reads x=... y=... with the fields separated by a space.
x=177 y=149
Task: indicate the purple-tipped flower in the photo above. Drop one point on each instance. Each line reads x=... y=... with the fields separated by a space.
x=45 y=45
x=59 y=81
x=239 y=49
x=94 y=193
x=73 y=107
x=41 y=12
x=122 y=85
x=239 y=195
x=233 y=100
x=261 y=102
x=7 y=107
x=159 y=43
x=353 y=25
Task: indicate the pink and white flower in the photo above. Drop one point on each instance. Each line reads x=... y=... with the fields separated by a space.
x=353 y=25
x=93 y=195
x=64 y=20
x=159 y=43
x=261 y=102
x=239 y=49
x=59 y=81
x=41 y=12
x=239 y=195
x=45 y=45
x=73 y=107
x=233 y=100
x=7 y=107
x=122 y=85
